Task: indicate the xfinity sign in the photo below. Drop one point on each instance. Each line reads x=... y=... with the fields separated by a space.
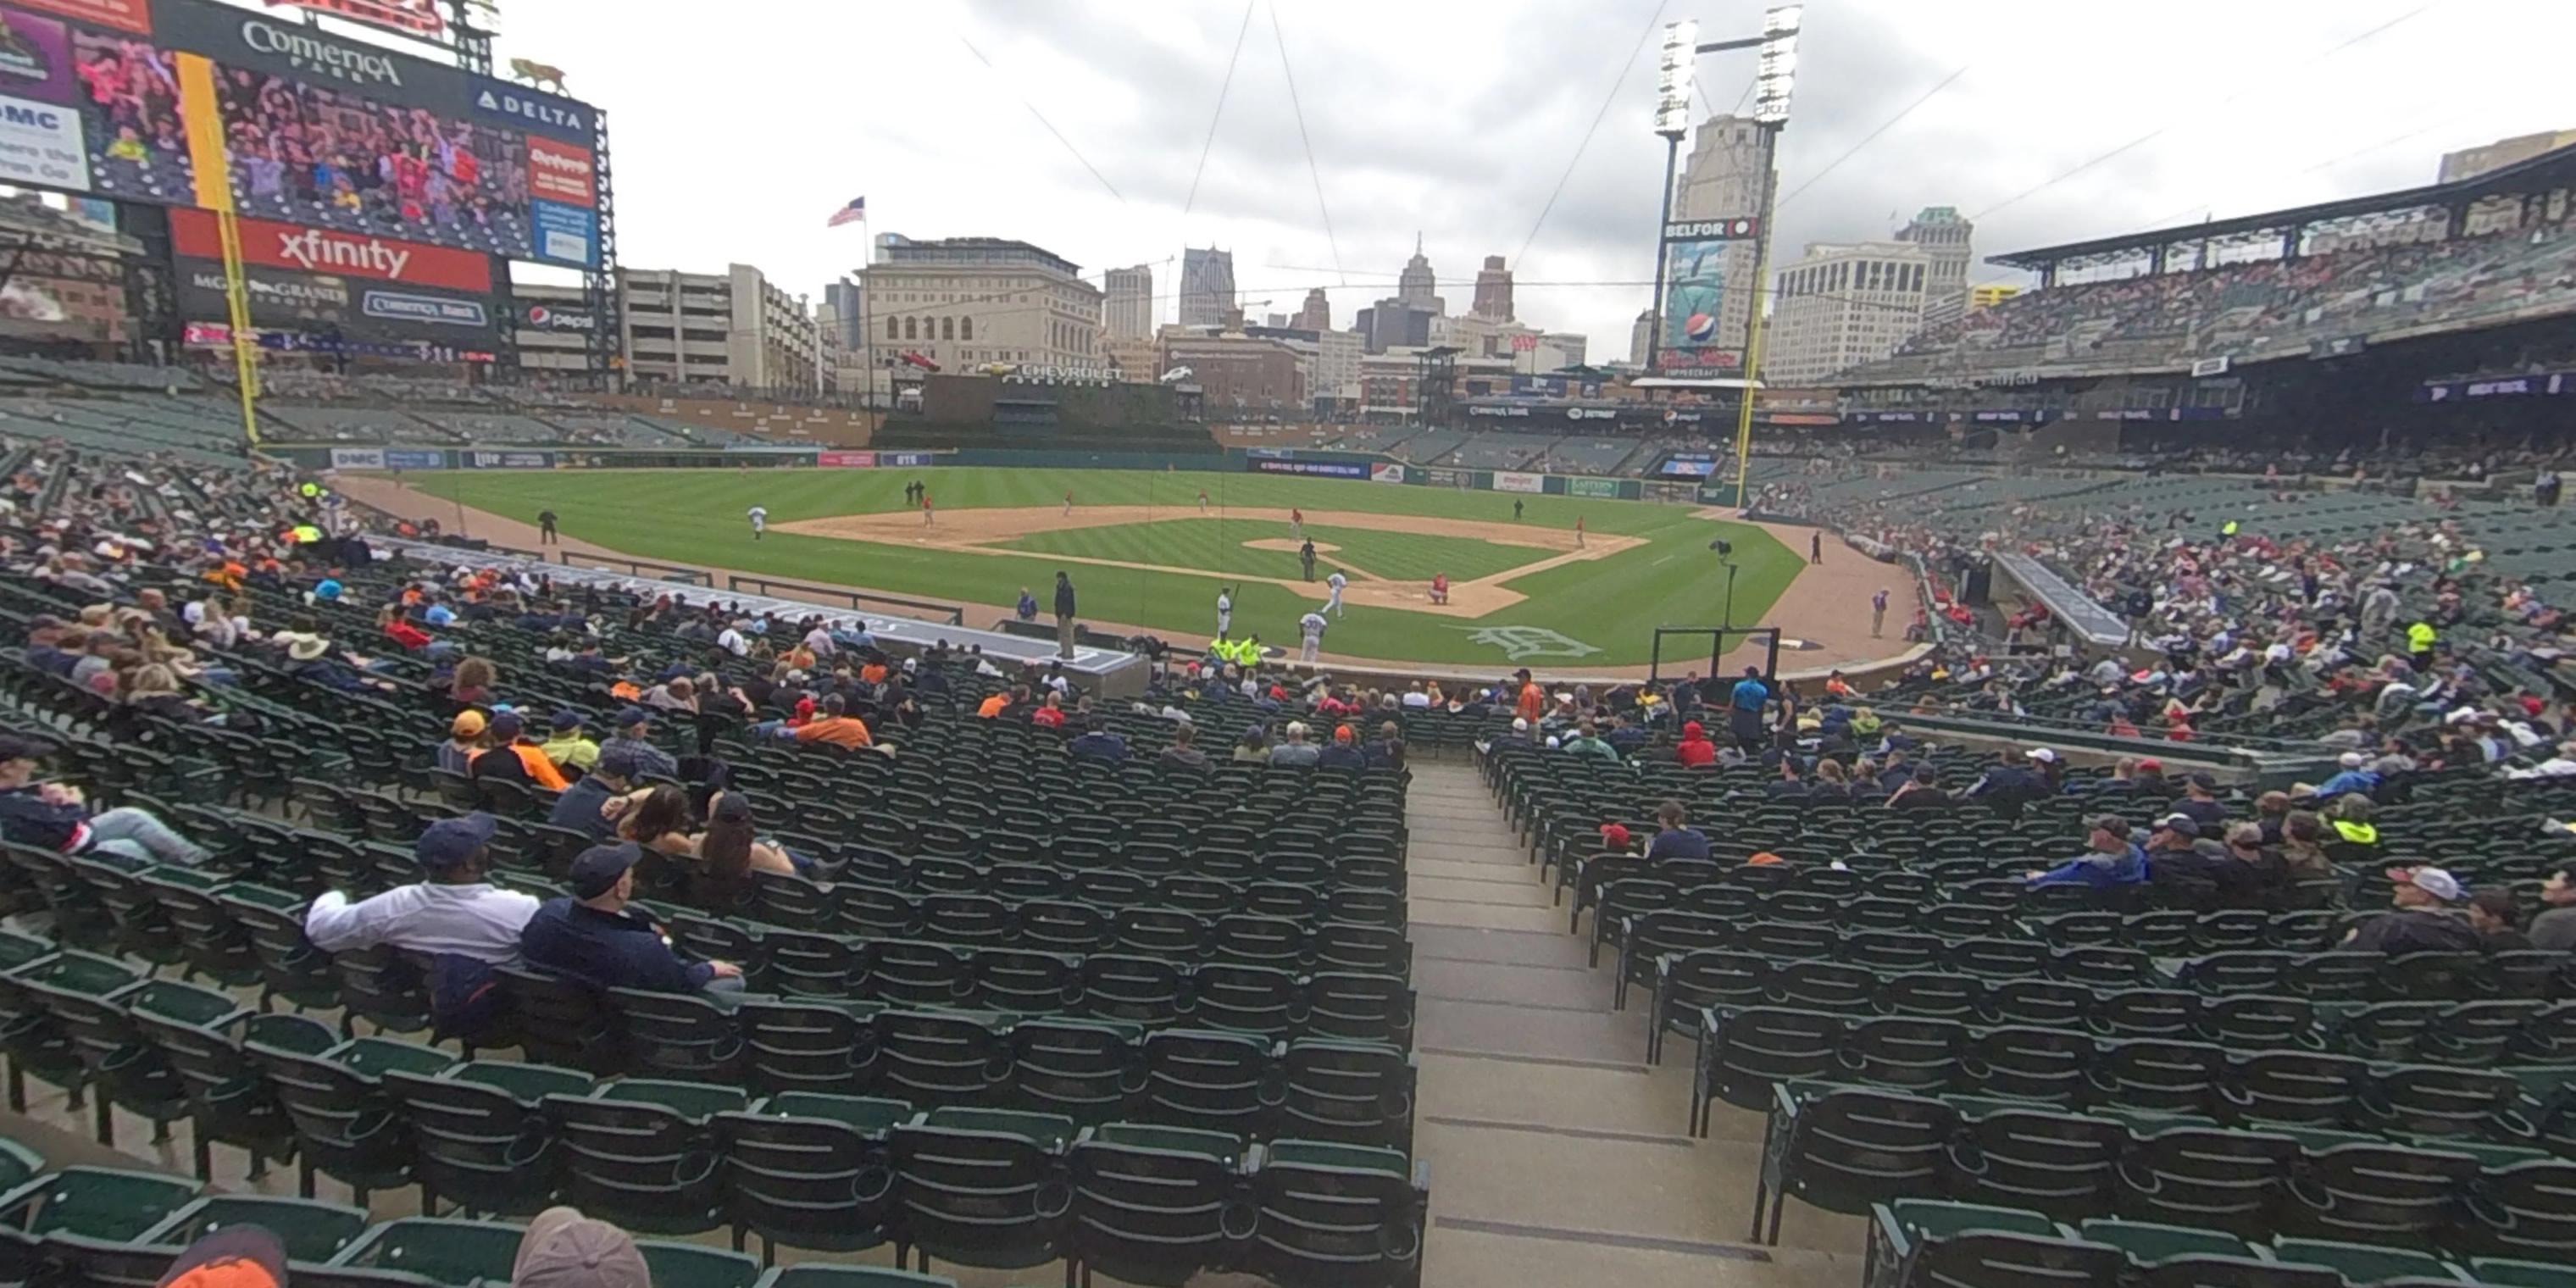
x=307 y=52
x=320 y=251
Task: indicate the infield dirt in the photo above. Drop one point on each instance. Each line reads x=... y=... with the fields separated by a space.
x=977 y=531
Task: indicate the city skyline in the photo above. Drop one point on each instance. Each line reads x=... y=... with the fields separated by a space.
x=2284 y=114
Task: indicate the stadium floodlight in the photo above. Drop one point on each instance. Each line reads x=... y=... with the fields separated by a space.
x=1677 y=72
x=1777 y=76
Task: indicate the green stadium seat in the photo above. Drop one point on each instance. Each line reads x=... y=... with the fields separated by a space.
x=1845 y=1148
x=345 y=1124
x=1339 y=1214
x=1152 y=1204
x=1920 y=1243
x=484 y=1144
x=455 y=1253
x=811 y=1171
x=644 y=1154
x=2362 y=1264
x=690 y=1265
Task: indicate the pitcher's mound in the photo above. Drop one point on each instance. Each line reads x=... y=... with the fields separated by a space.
x=1289 y=544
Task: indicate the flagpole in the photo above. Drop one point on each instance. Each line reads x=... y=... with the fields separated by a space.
x=868 y=311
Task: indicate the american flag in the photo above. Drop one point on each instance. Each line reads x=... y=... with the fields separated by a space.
x=852 y=213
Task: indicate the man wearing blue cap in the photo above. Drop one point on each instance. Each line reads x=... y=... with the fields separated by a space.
x=456 y=910
x=581 y=806
x=595 y=937
x=628 y=733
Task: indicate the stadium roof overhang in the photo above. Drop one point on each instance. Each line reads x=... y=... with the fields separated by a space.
x=2549 y=169
x=1677 y=382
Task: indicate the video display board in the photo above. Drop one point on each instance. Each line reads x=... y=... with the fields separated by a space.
x=173 y=101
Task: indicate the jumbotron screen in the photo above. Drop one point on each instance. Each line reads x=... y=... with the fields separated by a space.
x=170 y=101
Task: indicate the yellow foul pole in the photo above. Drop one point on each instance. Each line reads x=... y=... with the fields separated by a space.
x=212 y=164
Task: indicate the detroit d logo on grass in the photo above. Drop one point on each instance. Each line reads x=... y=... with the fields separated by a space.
x=1519 y=642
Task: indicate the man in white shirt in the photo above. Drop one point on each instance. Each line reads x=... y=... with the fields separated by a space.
x=1225 y=610
x=733 y=640
x=818 y=641
x=455 y=911
x=1311 y=628
x=759 y=521
x=1336 y=582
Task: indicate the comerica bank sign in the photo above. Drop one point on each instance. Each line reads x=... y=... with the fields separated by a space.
x=349 y=63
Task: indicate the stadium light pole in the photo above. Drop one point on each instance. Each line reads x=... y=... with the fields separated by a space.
x=1772 y=85
x=1676 y=70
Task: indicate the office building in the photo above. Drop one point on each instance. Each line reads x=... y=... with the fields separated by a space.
x=1316 y=314
x=1722 y=179
x=1493 y=290
x=1416 y=285
x=1207 y=286
x=731 y=328
x=1394 y=323
x=1130 y=293
x=1844 y=304
x=849 y=313
x=966 y=302
x=1641 y=335
x=1947 y=238
x=1331 y=359
x=1240 y=374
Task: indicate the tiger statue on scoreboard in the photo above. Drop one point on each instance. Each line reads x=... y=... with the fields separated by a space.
x=538 y=74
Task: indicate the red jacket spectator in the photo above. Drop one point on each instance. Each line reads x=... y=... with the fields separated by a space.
x=1695 y=748
x=406 y=634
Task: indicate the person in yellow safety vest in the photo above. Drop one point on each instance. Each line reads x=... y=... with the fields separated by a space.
x=2229 y=530
x=307 y=534
x=2419 y=641
x=310 y=489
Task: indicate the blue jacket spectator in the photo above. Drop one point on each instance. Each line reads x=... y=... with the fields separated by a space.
x=2114 y=860
x=594 y=937
x=2354 y=777
x=580 y=805
x=1096 y=741
x=1676 y=840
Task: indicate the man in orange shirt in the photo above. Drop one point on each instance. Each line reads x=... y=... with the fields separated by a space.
x=992 y=705
x=513 y=757
x=1533 y=700
x=833 y=725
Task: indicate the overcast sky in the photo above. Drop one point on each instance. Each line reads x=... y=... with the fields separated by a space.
x=738 y=128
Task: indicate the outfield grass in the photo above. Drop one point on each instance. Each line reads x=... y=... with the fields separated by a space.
x=1217 y=544
x=1610 y=604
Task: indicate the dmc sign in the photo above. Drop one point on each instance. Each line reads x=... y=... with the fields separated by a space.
x=341 y=62
x=32 y=117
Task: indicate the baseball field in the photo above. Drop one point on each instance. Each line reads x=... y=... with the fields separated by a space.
x=1145 y=554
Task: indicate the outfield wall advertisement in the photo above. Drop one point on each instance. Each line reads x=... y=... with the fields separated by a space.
x=1389 y=472
x=1515 y=481
x=1318 y=469
x=1592 y=487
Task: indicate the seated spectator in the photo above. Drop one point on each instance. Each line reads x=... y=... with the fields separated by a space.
x=2010 y=785
x=1674 y=838
x=513 y=757
x=564 y=1249
x=2271 y=811
x=2271 y=876
x=153 y=689
x=832 y=725
x=470 y=685
x=467 y=737
x=1343 y=752
x=583 y=807
x=1923 y=792
x=456 y=909
x=2355 y=776
x=633 y=734
x=2353 y=835
x=1050 y=713
x=1184 y=752
x=1695 y=749
x=1386 y=751
x=1253 y=748
x=1293 y=750
x=1833 y=782
x=1098 y=741
x=730 y=850
x=2303 y=846
x=2112 y=860
x=595 y=937
x=2428 y=917
x=2554 y=926
x=2498 y=922
x=1587 y=741
x=566 y=745
x=405 y=636
x=56 y=817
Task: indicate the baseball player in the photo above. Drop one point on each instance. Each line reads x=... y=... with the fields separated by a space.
x=1224 y=609
x=1311 y=628
x=759 y=521
x=1202 y=500
x=1297 y=523
x=1335 y=583
x=1068 y=501
x=926 y=518
x=1578 y=532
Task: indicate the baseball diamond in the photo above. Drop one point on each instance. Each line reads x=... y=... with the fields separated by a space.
x=1146 y=559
